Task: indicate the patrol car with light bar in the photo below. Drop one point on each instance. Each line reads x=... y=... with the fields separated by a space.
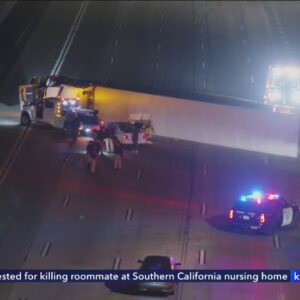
x=267 y=212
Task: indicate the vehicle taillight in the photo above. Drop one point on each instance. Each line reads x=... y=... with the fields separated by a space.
x=231 y=214
x=262 y=218
x=125 y=137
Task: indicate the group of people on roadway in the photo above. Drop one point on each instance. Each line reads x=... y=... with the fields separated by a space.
x=104 y=139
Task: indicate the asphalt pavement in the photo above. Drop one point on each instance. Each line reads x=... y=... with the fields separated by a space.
x=170 y=199
x=179 y=48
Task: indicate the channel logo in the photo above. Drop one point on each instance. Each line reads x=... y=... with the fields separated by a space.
x=295 y=275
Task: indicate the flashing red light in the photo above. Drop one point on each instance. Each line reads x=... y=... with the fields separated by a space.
x=231 y=214
x=272 y=196
x=262 y=218
x=125 y=137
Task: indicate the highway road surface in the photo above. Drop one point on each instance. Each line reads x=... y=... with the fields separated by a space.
x=173 y=197
x=172 y=48
x=170 y=199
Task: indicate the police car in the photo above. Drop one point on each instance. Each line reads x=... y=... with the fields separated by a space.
x=265 y=212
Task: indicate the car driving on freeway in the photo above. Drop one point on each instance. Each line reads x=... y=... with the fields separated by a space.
x=265 y=212
x=158 y=263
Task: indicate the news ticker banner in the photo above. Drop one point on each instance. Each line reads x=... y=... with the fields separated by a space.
x=65 y=276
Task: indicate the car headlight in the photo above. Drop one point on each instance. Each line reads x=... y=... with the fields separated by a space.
x=87 y=129
x=295 y=96
x=274 y=95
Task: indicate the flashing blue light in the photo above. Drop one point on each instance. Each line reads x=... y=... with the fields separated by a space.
x=243 y=198
x=257 y=195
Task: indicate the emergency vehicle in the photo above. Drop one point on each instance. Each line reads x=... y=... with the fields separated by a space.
x=283 y=88
x=49 y=103
x=265 y=212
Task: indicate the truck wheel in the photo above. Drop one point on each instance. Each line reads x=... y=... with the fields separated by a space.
x=25 y=120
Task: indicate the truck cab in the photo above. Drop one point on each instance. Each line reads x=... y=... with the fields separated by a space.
x=40 y=105
x=49 y=110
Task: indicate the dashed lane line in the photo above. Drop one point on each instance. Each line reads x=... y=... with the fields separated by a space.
x=13 y=154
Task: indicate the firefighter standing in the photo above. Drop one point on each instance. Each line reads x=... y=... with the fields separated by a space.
x=118 y=150
x=135 y=137
x=74 y=126
x=92 y=150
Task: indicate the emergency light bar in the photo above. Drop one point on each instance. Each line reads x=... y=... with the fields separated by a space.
x=258 y=196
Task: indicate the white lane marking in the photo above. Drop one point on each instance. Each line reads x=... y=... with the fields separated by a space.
x=116 y=42
x=241 y=27
x=117 y=262
x=45 y=249
x=201 y=258
x=139 y=173
x=281 y=296
x=245 y=42
x=129 y=214
x=66 y=159
x=123 y=12
x=248 y=60
x=201 y=29
x=204 y=84
x=24 y=32
x=202 y=47
x=111 y=60
x=203 y=65
x=161 y=15
x=252 y=79
x=13 y=154
x=203 y=209
x=69 y=40
x=157 y=65
x=160 y=30
x=120 y=27
x=158 y=47
x=276 y=241
x=66 y=201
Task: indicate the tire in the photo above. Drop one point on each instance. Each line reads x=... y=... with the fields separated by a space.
x=25 y=119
